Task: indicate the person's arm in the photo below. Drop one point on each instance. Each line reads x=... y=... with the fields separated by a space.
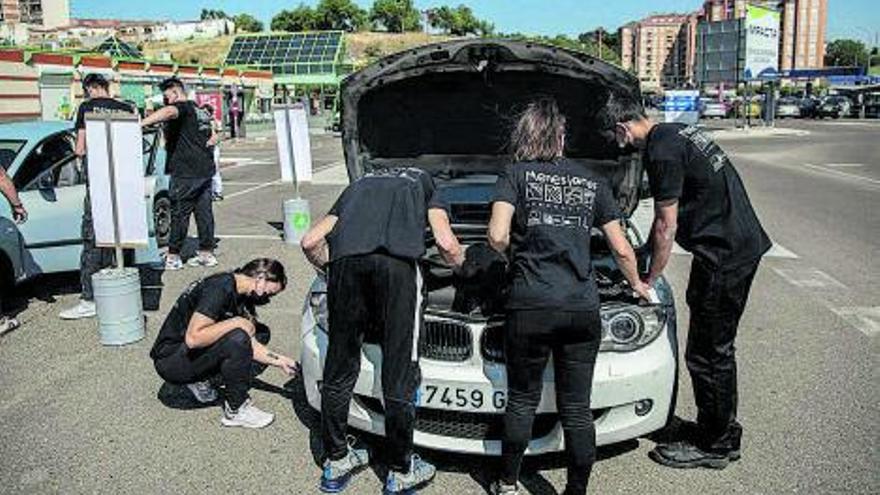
x=169 y=112
x=448 y=245
x=80 y=149
x=203 y=331
x=19 y=214
x=264 y=355
x=212 y=141
x=625 y=257
x=499 y=225
x=314 y=243
x=662 y=237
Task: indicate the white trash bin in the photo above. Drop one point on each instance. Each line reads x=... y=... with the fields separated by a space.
x=119 y=305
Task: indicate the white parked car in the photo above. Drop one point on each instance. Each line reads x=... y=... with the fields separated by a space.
x=445 y=108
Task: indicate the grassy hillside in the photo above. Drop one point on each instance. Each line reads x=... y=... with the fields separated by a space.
x=195 y=51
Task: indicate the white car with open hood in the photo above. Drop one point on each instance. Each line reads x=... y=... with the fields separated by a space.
x=447 y=108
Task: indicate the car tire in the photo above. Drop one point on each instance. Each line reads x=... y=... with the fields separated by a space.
x=162 y=219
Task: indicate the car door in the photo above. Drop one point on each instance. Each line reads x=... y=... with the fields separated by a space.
x=52 y=186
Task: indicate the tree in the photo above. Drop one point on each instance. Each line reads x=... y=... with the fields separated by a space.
x=340 y=14
x=210 y=14
x=396 y=16
x=246 y=23
x=302 y=18
x=845 y=52
x=459 y=21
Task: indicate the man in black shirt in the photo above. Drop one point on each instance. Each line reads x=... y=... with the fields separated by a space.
x=700 y=202
x=190 y=162
x=92 y=258
x=370 y=242
x=212 y=330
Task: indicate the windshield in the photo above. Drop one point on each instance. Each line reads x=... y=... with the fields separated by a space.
x=9 y=149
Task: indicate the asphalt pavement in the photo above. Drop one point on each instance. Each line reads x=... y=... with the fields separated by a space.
x=77 y=417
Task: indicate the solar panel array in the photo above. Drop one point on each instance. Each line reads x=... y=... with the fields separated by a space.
x=115 y=47
x=288 y=53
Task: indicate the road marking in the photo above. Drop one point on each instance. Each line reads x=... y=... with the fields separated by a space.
x=864 y=319
x=265 y=237
x=252 y=189
x=234 y=183
x=777 y=251
x=845 y=175
x=242 y=163
x=844 y=165
x=808 y=278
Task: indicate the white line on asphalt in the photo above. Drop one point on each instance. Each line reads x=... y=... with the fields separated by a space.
x=265 y=237
x=776 y=251
x=844 y=165
x=831 y=171
x=252 y=189
x=864 y=319
x=244 y=164
x=809 y=278
x=235 y=183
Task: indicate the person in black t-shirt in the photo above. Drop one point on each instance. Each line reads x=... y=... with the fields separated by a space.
x=92 y=258
x=543 y=211
x=212 y=330
x=370 y=242
x=190 y=162
x=700 y=202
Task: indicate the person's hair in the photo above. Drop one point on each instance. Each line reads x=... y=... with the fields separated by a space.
x=95 y=81
x=271 y=269
x=619 y=110
x=538 y=133
x=171 y=82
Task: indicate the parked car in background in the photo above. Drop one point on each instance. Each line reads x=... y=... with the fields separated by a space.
x=458 y=95
x=40 y=159
x=787 y=107
x=872 y=105
x=808 y=107
x=712 y=108
x=835 y=107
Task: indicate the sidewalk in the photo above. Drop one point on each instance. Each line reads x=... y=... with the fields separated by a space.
x=756 y=132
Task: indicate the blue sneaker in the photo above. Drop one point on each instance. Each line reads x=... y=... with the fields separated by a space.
x=338 y=473
x=420 y=473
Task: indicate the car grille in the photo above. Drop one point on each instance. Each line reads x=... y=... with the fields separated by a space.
x=445 y=340
x=471 y=426
x=492 y=343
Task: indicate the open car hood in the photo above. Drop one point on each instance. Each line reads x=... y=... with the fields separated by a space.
x=449 y=108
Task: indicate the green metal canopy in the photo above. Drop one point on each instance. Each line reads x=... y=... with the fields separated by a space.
x=114 y=47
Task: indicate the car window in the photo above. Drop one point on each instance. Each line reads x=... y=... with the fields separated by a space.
x=149 y=151
x=9 y=149
x=56 y=150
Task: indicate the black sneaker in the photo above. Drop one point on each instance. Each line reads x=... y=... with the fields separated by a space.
x=685 y=455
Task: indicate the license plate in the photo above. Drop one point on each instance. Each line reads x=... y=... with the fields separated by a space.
x=462 y=398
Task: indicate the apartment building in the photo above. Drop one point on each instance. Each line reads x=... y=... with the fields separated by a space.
x=660 y=50
x=45 y=13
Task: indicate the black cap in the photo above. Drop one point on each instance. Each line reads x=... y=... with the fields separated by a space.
x=94 y=79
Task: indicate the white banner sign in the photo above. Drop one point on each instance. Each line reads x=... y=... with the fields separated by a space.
x=681 y=106
x=762 y=43
x=125 y=144
x=298 y=138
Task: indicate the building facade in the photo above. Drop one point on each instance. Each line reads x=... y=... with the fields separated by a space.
x=660 y=50
x=44 y=13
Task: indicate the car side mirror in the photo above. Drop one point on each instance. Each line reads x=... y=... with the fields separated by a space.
x=46 y=182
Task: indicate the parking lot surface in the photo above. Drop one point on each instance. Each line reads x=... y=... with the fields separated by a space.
x=77 y=417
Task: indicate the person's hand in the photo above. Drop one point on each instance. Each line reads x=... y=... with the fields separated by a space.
x=643 y=290
x=289 y=366
x=246 y=325
x=19 y=213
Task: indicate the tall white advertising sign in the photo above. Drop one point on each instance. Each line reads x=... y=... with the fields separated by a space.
x=116 y=180
x=762 y=43
x=292 y=132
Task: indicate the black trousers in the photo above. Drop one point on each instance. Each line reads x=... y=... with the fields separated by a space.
x=573 y=340
x=93 y=258
x=191 y=196
x=381 y=292
x=231 y=357
x=717 y=298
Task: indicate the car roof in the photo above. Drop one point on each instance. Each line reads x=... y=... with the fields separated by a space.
x=32 y=129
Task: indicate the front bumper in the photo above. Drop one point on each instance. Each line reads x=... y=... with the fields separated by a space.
x=632 y=396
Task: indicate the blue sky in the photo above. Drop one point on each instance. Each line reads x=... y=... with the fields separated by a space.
x=858 y=19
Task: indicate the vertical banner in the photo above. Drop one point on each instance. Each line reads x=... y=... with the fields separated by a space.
x=213 y=99
x=762 y=43
x=116 y=180
x=294 y=144
x=681 y=106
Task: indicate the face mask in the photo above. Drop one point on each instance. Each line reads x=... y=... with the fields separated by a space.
x=258 y=300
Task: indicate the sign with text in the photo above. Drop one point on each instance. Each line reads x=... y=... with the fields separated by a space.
x=762 y=43
x=681 y=106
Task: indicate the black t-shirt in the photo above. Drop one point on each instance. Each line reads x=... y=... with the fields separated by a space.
x=556 y=206
x=186 y=141
x=214 y=296
x=383 y=211
x=101 y=106
x=716 y=221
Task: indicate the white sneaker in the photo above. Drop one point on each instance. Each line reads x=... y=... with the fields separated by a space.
x=203 y=259
x=85 y=309
x=8 y=324
x=501 y=488
x=203 y=391
x=173 y=263
x=420 y=472
x=247 y=416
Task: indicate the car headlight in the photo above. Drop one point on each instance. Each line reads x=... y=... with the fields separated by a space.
x=626 y=327
x=317 y=301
